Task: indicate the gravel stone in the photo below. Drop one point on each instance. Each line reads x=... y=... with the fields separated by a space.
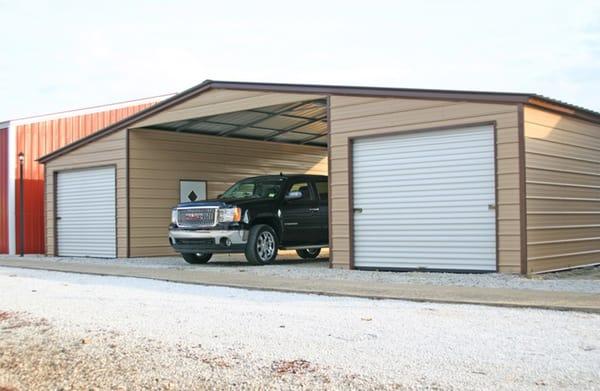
x=146 y=334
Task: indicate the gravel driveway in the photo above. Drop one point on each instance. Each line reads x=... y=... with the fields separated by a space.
x=288 y=266
x=67 y=331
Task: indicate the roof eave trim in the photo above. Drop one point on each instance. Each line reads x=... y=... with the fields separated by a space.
x=491 y=97
x=187 y=94
x=558 y=108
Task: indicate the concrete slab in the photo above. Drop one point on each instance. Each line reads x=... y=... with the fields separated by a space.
x=236 y=277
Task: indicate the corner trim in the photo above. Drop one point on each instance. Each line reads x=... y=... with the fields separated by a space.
x=522 y=188
x=497 y=210
x=351 y=202
x=127 y=197
x=54 y=212
x=329 y=196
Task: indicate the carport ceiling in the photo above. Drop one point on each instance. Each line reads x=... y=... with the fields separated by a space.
x=296 y=123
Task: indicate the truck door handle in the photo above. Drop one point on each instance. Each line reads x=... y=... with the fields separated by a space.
x=314 y=209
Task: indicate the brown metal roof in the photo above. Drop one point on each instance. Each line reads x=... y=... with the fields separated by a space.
x=456 y=95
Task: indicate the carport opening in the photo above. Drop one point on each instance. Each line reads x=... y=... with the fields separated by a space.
x=302 y=123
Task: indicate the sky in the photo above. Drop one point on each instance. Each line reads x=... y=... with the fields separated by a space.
x=60 y=55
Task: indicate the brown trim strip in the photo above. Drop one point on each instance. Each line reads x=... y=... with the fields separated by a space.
x=54 y=211
x=128 y=197
x=522 y=188
x=496 y=203
x=351 y=202
x=329 y=196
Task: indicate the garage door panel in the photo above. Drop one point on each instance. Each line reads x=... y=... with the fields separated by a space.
x=411 y=264
x=473 y=234
x=437 y=207
x=423 y=200
x=457 y=197
x=435 y=188
x=85 y=208
x=415 y=158
x=429 y=142
x=425 y=168
x=460 y=150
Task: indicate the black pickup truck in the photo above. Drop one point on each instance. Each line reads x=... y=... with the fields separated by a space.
x=256 y=216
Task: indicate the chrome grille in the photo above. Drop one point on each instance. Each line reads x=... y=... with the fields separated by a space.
x=197 y=217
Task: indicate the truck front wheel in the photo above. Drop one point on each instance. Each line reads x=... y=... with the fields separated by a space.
x=262 y=245
x=196 y=258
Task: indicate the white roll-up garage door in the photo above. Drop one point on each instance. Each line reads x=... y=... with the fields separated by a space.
x=425 y=200
x=85 y=212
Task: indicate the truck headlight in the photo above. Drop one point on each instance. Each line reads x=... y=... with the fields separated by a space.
x=174 y=216
x=229 y=215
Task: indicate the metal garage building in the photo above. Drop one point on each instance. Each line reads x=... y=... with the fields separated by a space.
x=34 y=137
x=440 y=180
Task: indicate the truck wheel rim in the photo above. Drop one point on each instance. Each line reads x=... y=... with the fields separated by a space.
x=312 y=251
x=265 y=246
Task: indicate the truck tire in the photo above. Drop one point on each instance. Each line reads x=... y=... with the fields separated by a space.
x=262 y=245
x=308 y=253
x=194 y=258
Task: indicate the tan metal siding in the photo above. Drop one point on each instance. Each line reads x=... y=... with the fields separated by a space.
x=353 y=116
x=110 y=150
x=223 y=101
x=159 y=160
x=563 y=191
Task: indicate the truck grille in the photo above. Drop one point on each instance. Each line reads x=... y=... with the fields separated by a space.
x=197 y=217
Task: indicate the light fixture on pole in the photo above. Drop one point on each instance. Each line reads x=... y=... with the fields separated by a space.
x=21 y=209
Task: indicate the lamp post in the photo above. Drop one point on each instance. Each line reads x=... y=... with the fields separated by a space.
x=22 y=206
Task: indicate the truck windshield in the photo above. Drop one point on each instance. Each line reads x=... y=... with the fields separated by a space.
x=254 y=188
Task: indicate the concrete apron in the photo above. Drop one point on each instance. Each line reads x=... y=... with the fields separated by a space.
x=501 y=297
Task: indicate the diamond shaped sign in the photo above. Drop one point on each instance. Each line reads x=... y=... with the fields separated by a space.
x=192 y=196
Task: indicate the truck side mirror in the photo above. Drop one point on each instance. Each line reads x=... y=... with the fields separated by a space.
x=293 y=195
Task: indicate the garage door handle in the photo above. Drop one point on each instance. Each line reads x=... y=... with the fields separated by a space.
x=358 y=210
x=492 y=206
x=314 y=209
x=58 y=218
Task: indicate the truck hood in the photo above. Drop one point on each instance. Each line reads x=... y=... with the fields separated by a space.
x=224 y=202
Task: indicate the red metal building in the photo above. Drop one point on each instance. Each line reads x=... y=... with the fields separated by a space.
x=3 y=191
x=35 y=137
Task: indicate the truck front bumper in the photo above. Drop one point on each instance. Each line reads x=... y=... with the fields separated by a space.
x=207 y=241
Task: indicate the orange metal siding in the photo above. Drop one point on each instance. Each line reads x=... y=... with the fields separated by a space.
x=37 y=139
x=3 y=191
